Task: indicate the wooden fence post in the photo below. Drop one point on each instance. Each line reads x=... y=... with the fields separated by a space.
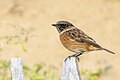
x=17 y=69
x=70 y=69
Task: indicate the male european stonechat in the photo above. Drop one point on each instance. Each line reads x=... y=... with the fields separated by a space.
x=76 y=40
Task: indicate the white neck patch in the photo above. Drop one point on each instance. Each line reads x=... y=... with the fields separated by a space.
x=67 y=29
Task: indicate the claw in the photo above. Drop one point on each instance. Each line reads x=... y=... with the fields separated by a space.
x=77 y=59
x=67 y=58
x=74 y=55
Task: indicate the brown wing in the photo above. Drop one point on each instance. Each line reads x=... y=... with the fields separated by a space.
x=81 y=37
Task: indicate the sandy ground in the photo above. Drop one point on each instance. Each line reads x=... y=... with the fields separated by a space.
x=100 y=19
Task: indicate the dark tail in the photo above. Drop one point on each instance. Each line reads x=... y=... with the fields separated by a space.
x=108 y=50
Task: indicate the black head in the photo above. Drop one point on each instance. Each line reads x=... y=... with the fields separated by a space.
x=62 y=25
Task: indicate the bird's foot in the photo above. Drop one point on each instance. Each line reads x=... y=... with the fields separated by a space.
x=67 y=58
x=75 y=55
x=77 y=58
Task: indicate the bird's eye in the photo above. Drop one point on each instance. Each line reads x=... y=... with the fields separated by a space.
x=64 y=25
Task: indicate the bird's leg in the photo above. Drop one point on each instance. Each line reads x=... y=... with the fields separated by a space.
x=75 y=55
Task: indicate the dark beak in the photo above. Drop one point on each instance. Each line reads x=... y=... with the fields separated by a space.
x=54 y=25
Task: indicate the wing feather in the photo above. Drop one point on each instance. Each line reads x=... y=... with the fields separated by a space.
x=80 y=36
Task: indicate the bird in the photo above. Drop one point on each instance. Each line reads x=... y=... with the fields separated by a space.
x=76 y=40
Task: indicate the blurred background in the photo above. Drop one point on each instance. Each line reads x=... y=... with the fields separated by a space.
x=26 y=32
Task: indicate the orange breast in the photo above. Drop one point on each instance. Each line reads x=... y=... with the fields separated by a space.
x=72 y=45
